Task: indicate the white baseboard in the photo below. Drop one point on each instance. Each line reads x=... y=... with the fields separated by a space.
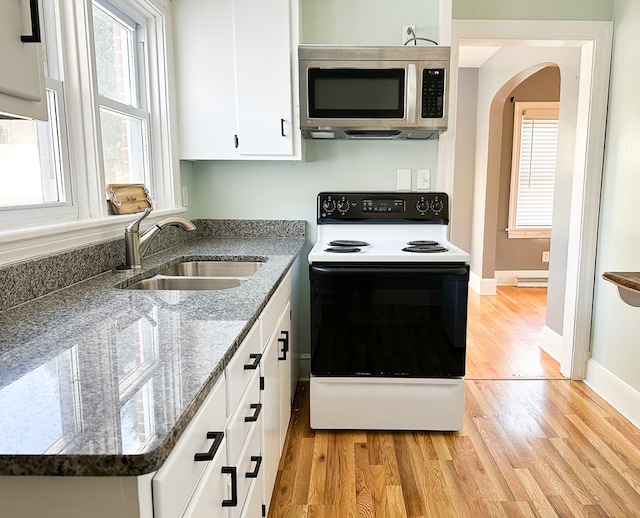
x=551 y=343
x=624 y=398
x=510 y=277
x=482 y=286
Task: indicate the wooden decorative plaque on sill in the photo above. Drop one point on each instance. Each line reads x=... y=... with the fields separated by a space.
x=128 y=198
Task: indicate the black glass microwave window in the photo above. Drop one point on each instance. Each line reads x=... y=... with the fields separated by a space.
x=356 y=93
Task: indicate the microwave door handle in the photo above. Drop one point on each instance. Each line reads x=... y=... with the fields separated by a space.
x=412 y=99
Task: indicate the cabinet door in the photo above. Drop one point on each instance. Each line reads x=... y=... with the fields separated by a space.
x=284 y=371
x=271 y=422
x=263 y=77
x=204 y=64
x=22 y=90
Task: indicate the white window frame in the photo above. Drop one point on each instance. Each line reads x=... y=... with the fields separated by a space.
x=89 y=221
x=542 y=110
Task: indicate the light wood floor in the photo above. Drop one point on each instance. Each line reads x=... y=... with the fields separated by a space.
x=529 y=448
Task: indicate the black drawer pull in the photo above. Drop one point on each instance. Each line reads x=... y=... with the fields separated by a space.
x=285 y=345
x=209 y=455
x=282 y=128
x=254 y=474
x=233 y=501
x=256 y=361
x=254 y=417
x=34 y=37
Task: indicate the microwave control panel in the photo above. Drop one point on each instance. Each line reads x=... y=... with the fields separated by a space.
x=433 y=85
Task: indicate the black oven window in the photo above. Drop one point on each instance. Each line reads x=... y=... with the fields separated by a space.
x=400 y=323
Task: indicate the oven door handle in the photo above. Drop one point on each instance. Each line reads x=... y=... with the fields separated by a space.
x=461 y=269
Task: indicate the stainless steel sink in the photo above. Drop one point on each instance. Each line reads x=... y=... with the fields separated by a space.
x=187 y=283
x=213 y=269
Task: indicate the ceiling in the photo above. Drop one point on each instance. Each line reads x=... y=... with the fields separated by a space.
x=474 y=56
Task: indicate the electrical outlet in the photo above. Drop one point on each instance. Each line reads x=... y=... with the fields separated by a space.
x=404 y=180
x=408 y=32
x=424 y=179
x=545 y=257
x=185 y=196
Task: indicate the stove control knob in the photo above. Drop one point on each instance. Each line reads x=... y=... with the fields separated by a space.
x=422 y=206
x=437 y=205
x=343 y=206
x=329 y=205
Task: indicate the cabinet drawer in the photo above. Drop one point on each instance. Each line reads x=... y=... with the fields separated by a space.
x=249 y=468
x=247 y=416
x=213 y=489
x=271 y=314
x=242 y=366
x=176 y=479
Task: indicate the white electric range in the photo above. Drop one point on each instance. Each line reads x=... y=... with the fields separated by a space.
x=388 y=313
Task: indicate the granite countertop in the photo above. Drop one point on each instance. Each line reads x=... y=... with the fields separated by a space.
x=99 y=380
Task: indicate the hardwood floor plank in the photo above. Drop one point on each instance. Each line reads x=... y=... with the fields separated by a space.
x=409 y=452
x=318 y=478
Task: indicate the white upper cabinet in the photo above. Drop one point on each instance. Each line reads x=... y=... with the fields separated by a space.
x=236 y=69
x=22 y=89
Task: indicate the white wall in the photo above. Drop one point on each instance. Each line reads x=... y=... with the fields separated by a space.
x=616 y=326
x=465 y=157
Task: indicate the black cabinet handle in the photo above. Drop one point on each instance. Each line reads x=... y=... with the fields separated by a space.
x=235 y=140
x=254 y=417
x=256 y=361
x=34 y=37
x=254 y=474
x=233 y=501
x=209 y=455
x=282 y=127
x=285 y=345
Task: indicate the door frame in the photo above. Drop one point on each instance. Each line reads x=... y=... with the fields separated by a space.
x=594 y=38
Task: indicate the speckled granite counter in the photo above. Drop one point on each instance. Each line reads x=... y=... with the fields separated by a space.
x=628 y=284
x=99 y=380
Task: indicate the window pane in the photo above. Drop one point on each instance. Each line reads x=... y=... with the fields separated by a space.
x=30 y=160
x=537 y=169
x=124 y=143
x=114 y=57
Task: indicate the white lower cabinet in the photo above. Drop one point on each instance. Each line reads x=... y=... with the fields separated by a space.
x=239 y=431
x=276 y=373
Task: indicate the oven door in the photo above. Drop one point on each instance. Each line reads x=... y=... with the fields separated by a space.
x=388 y=320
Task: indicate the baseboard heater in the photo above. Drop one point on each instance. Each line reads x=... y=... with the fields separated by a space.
x=531 y=282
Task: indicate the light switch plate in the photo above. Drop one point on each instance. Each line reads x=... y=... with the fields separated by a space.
x=404 y=180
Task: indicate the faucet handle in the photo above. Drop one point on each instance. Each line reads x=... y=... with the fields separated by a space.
x=134 y=226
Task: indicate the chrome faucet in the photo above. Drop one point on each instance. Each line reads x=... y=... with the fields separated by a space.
x=136 y=244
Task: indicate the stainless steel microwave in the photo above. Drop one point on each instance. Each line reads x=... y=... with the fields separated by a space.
x=359 y=92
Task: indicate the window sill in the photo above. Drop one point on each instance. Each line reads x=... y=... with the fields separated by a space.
x=19 y=245
x=529 y=233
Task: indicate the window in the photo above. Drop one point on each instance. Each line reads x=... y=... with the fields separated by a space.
x=106 y=68
x=124 y=119
x=34 y=169
x=535 y=138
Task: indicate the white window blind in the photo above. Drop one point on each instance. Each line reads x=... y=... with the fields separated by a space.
x=533 y=169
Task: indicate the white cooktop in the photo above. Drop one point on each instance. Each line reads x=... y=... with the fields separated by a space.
x=385 y=244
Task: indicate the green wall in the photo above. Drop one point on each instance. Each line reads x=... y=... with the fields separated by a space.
x=533 y=10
